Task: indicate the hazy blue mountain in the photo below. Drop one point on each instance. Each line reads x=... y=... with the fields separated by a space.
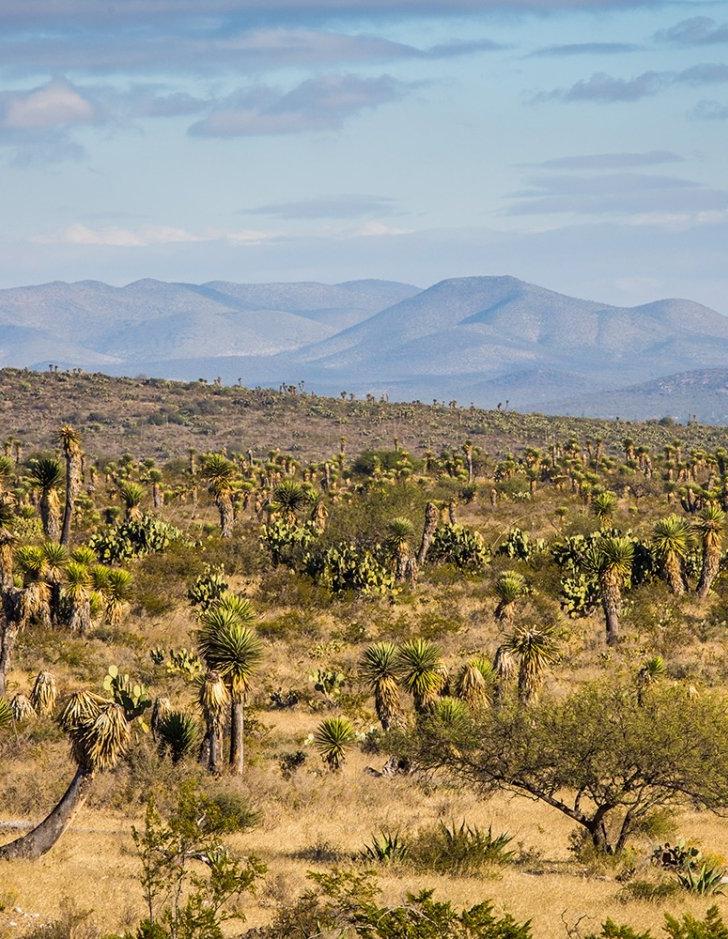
x=488 y=340
x=91 y=323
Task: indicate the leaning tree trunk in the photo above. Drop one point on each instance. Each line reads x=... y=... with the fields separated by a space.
x=72 y=479
x=611 y=605
x=46 y=833
x=227 y=516
x=432 y=517
x=709 y=570
x=237 y=726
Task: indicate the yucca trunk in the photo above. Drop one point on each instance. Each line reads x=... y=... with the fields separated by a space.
x=237 y=729
x=432 y=517
x=80 y=621
x=224 y=504
x=42 y=838
x=709 y=569
x=674 y=574
x=156 y=496
x=72 y=480
x=386 y=703
x=49 y=515
x=611 y=603
x=6 y=564
x=10 y=623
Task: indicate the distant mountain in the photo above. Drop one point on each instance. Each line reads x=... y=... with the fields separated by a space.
x=91 y=324
x=485 y=340
x=702 y=393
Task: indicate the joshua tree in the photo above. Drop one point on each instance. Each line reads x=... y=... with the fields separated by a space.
x=399 y=534
x=672 y=539
x=100 y=735
x=214 y=700
x=47 y=475
x=420 y=671
x=509 y=588
x=333 y=737
x=379 y=667
x=230 y=647
x=220 y=474
x=611 y=560
x=710 y=524
x=71 y=444
x=533 y=648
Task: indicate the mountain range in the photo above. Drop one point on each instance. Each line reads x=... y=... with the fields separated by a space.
x=488 y=340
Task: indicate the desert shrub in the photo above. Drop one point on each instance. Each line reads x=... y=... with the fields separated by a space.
x=459 y=545
x=345 y=567
x=449 y=848
x=133 y=538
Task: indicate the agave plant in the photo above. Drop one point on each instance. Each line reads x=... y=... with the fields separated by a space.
x=379 y=667
x=450 y=711
x=332 y=738
x=387 y=847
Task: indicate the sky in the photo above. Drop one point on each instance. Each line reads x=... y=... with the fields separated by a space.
x=578 y=144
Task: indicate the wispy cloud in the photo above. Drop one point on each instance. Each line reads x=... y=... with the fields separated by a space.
x=610 y=194
x=605 y=88
x=584 y=48
x=696 y=31
x=344 y=206
x=317 y=104
x=603 y=161
x=144 y=237
x=709 y=111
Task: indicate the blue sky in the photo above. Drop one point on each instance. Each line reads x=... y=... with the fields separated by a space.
x=580 y=144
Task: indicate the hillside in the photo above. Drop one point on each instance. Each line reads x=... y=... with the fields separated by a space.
x=165 y=418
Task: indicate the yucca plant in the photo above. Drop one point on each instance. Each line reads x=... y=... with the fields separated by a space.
x=648 y=673
x=131 y=495
x=214 y=701
x=221 y=475
x=509 y=588
x=230 y=647
x=6 y=714
x=533 y=649
x=386 y=847
x=22 y=709
x=611 y=559
x=46 y=475
x=44 y=694
x=474 y=681
x=710 y=525
x=116 y=590
x=289 y=497
x=420 y=671
x=177 y=734
x=32 y=565
x=379 y=668
x=332 y=739
x=450 y=711
x=603 y=505
x=672 y=539
x=400 y=532
x=77 y=590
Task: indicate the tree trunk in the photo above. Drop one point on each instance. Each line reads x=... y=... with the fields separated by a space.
x=10 y=622
x=610 y=604
x=432 y=517
x=674 y=575
x=227 y=517
x=81 y=617
x=46 y=833
x=49 y=516
x=71 y=488
x=711 y=564
x=237 y=751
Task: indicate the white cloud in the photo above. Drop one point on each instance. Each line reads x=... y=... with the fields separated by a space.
x=144 y=237
x=57 y=104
